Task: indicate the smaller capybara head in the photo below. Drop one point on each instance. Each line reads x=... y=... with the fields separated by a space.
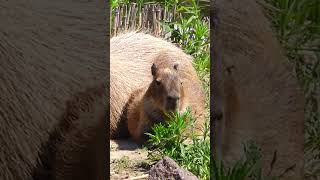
x=166 y=88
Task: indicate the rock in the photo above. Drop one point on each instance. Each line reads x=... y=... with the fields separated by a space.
x=167 y=168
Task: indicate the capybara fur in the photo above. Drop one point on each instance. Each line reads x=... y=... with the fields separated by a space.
x=167 y=92
x=53 y=90
x=254 y=94
x=132 y=55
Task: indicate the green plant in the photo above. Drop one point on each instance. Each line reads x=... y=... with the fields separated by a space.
x=296 y=23
x=191 y=32
x=169 y=140
x=248 y=167
x=245 y=168
x=240 y=171
x=122 y=163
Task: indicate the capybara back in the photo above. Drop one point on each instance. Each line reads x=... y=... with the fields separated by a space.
x=52 y=56
x=132 y=55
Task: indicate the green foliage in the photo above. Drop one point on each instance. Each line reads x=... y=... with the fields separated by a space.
x=122 y=164
x=191 y=32
x=170 y=140
x=248 y=167
x=296 y=23
x=167 y=4
x=240 y=171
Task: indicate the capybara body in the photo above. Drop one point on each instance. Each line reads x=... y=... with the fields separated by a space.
x=132 y=55
x=167 y=92
x=53 y=96
x=255 y=97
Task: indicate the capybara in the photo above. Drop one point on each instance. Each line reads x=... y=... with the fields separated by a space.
x=132 y=55
x=254 y=94
x=53 y=90
x=167 y=92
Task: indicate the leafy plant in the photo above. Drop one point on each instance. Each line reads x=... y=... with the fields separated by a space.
x=191 y=32
x=122 y=163
x=248 y=167
x=170 y=140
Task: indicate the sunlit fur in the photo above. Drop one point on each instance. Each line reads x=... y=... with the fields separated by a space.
x=132 y=55
x=167 y=91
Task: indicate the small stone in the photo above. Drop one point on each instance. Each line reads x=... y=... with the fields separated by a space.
x=167 y=168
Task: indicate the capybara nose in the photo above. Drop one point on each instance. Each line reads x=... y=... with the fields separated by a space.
x=173 y=98
x=172 y=102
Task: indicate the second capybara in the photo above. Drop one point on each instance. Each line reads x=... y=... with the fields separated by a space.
x=53 y=92
x=167 y=92
x=132 y=55
x=255 y=96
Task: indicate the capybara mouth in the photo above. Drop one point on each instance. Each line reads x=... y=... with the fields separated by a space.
x=171 y=108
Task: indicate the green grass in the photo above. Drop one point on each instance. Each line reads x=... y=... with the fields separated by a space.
x=194 y=153
x=191 y=153
x=122 y=164
x=192 y=34
x=248 y=167
x=243 y=169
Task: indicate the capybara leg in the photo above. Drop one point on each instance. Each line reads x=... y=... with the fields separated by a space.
x=139 y=135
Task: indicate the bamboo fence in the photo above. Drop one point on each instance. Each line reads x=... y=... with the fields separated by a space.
x=147 y=18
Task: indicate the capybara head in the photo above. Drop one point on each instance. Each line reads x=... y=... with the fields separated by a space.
x=166 y=88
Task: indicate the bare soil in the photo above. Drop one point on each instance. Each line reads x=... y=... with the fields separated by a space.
x=127 y=160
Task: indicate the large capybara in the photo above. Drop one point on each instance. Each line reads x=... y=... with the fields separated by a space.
x=53 y=90
x=255 y=97
x=169 y=90
x=132 y=56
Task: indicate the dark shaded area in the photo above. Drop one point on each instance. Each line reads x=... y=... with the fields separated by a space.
x=45 y=168
x=255 y=97
x=122 y=131
x=54 y=81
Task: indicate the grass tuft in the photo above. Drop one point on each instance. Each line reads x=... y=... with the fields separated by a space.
x=169 y=140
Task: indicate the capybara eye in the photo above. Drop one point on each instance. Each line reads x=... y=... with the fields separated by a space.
x=217 y=115
x=158 y=82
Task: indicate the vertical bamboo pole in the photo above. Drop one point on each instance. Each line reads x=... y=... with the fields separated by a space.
x=115 y=23
x=133 y=16
x=128 y=17
x=121 y=17
x=125 y=17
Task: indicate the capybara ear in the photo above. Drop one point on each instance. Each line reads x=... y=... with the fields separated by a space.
x=153 y=69
x=175 y=66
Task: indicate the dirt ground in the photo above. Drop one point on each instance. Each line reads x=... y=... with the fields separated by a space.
x=127 y=161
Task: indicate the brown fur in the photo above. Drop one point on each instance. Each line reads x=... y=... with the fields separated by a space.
x=254 y=95
x=132 y=55
x=147 y=106
x=52 y=89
